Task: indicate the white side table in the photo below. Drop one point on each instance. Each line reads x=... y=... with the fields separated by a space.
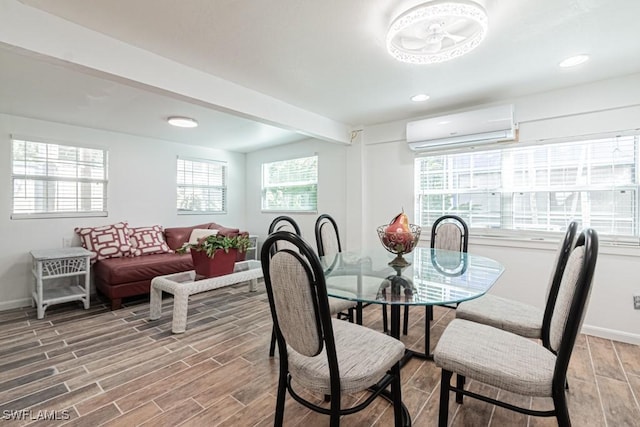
x=57 y=263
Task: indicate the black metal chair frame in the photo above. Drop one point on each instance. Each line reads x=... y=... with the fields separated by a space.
x=315 y=275
x=327 y=220
x=272 y=229
x=464 y=240
x=567 y=247
x=589 y=239
x=321 y=222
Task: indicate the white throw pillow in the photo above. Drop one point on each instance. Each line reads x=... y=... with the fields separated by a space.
x=199 y=233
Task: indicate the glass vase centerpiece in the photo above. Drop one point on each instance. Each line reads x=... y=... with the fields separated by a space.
x=399 y=242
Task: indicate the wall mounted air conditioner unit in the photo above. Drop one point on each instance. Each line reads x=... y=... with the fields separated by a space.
x=470 y=128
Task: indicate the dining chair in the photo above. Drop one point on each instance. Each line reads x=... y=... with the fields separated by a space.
x=448 y=232
x=342 y=308
x=518 y=317
x=319 y=354
x=328 y=245
x=514 y=363
x=284 y=223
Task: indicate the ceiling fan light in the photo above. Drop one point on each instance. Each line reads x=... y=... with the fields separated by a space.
x=573 y=61
x=421 y=97
x=432 y=12
x=182 y=122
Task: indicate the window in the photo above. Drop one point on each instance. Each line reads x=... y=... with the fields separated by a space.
x=537 y=188
x=202 y=186
x=55 y=180
x=290 y=185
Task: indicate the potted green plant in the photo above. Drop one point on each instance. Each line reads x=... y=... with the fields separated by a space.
x=215 y=255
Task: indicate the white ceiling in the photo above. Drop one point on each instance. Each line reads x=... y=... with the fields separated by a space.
x=326 y=57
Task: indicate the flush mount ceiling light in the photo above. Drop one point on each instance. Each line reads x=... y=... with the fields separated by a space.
x=574 y=60
x=183 y=122
x=437 y=31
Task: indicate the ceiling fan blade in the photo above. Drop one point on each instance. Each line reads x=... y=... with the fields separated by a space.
x=454 y=37
x=433 y=47
x=412 y=43
x=455 y=26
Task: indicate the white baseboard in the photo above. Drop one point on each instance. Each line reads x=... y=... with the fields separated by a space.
x=16 y=303
x=611 y=334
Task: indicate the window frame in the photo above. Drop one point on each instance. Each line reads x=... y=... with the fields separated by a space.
x=507 y=193
x=104 y=181
x=263 y=186
x=223 y=187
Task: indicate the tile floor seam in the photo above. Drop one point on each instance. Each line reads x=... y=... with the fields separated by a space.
x=595 y=378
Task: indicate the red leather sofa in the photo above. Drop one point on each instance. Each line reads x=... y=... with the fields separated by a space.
x=117 y=278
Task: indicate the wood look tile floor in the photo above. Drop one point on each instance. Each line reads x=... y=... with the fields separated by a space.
x=116 y=368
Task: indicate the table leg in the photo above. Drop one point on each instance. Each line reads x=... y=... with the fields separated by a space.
x=395 y=332
x=87 y=283
x=253 y=284
x=180 y=306
x=39 y=293
x=359 y=313
x=155 y=304
x=395 y=321
x=427 y=332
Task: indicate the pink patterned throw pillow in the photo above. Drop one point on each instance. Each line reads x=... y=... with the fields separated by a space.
x=148 y=240
x=108 y=241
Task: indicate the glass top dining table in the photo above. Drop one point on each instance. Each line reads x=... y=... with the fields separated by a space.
x=433 y=277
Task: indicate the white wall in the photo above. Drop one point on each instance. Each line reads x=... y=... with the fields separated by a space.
x=141 y=190
x=332 y=193
x=599 y=107
x=362 y=186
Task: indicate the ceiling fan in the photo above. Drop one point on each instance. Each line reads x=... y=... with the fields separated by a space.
x=429 y=36
x=437 y=31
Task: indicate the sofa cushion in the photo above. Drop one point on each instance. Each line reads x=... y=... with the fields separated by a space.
x=199 y=233
x=224 y=231
x=148 y=240
x=178 y=236
x=108 y=241
x=115 y=271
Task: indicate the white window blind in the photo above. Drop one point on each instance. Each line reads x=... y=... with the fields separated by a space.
x=290 y=185
x=202 y=186
x=537 y=188
x=55 y=180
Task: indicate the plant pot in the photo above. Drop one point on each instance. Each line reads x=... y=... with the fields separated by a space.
x=222 y=262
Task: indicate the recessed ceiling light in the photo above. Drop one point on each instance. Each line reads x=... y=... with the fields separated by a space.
x=183 y=122
x=574 y=60
x=421 y=97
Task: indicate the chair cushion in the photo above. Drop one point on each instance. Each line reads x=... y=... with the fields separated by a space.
x=513 y=316
x=496 y=357
x=364 y=357
x=338 y=305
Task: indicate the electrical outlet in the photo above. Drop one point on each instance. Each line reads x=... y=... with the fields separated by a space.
x=66 y=242
x=636 y=302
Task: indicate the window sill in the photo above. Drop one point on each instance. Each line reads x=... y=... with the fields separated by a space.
x=50 y=215
x=548 y=244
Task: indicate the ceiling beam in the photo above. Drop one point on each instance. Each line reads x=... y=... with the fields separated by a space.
x=38 y=32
